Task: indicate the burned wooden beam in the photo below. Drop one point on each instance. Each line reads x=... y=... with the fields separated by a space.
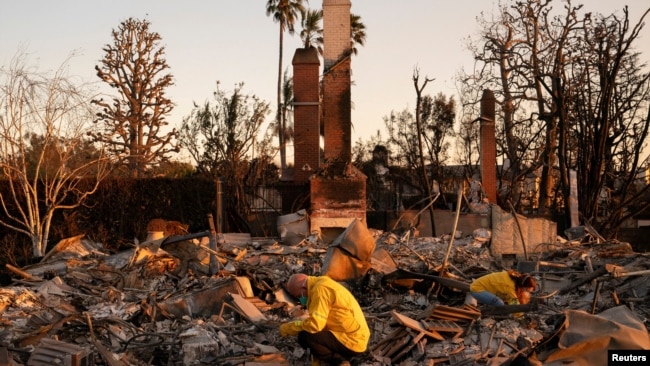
x=618 y=274
x=4 y=356
x=397 y=346
x=53 y=352
x=407 y=348
x=381 y=345
x=444 y=312
x=415 y=325
x=510 y=309
x=444 y=326
x=22 y=273
x=595 y=274
x=176 y=238
x=444 y=281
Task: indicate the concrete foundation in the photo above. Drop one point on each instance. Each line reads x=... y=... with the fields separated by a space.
x=443 y=220
x=507 y=241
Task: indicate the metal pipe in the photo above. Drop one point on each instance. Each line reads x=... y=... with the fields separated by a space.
x=453 y=233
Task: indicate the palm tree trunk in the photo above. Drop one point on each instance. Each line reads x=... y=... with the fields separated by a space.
x=279 y=119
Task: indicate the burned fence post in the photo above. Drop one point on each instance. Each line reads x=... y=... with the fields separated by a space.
x=220 y=222
x=214 y=263
x=488 y=146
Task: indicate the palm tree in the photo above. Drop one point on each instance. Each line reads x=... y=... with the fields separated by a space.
x=358 y=32
x=286 y=110
x=285 y=12
x=287 y=107
x=312 y=32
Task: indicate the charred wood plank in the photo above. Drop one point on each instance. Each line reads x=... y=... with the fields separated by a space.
x=510 y=309
x=407 y=348
x=22 y=273
x=602 y=270
x=394 y=334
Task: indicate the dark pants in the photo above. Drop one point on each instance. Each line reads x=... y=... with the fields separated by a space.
x=325 y=347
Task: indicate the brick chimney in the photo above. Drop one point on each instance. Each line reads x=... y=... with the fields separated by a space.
x=338 y=191
x=488 y=146
x=306 y=113
x=337 y=103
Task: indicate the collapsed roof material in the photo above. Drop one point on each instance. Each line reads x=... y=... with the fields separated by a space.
x=157 y=303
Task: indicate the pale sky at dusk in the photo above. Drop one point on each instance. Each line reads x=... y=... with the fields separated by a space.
x=234 y=41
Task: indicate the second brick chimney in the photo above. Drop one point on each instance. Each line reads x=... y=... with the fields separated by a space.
x=306 y=112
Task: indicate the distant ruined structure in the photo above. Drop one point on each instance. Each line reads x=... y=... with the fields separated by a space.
x=322 y=107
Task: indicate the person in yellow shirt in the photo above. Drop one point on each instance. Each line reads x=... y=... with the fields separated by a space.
x=336 y=329
x=501 y=288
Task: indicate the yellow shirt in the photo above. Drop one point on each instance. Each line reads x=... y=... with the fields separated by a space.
x=498 y=283
x=332 y=307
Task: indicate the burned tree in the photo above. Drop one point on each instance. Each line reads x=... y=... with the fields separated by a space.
x=134 y=121
x=220 y=135
x=610 y=110
x=46 y=159
x=580 y=88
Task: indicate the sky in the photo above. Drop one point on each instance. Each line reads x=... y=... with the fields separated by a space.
x=235 y=41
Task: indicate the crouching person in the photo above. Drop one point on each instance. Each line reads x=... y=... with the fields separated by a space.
x=503 y=288
x=336 y=329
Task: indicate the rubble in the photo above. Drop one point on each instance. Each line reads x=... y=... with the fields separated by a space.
x=159 y=304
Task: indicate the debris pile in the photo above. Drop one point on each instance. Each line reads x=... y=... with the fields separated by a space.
x=180 y=300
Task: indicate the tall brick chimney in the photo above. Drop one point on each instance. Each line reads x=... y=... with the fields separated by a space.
x=337 y=103
x=338 y=191
x=488 y=146
x=306 y=113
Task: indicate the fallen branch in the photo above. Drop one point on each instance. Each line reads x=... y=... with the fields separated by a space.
x=22 y=273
